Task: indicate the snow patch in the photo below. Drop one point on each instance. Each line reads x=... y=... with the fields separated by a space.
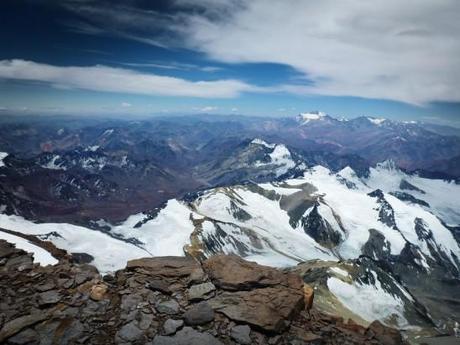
x=3 y=155
x=41 y=256
x=371 y=302
x=305 y=118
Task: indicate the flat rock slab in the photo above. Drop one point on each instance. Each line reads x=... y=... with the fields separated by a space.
x=234 y=273
x=269 y=309
x=167 y=266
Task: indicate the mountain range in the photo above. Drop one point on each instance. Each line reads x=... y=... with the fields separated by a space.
x=365 y=210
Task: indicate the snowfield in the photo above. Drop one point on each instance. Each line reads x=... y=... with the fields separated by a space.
x=370 y=302
x=40 y=255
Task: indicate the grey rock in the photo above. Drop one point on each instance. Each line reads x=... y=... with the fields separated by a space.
x=187 y=336
x=82 y=277
x=169 y=307
x=130 y=302
x=241 y=334
x=199 y=314
x=130 y=332
x=46 y=286
x=158 y=285
x=49 y=297
x=171 y=326
x=201 y=291
x=145 y=321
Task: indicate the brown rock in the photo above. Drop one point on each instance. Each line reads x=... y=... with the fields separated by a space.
x=98 y=292
x=269 y=309
x=232 y=273
x=167 y=266
x=385 y=335
x=309 y=295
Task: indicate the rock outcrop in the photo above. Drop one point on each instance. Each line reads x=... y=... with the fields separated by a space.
x=165 y=301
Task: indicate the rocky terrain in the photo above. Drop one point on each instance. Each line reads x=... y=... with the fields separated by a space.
x=166 y=300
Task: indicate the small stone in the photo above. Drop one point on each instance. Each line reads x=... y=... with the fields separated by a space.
x=98 y=292
x=145 y=321
x=49 y=297
x=241 y=334
x=171 y=326
x=46 y=286
x=201 y=291
x=158 y=285
x=169 y=307
x=187 y=336
x=130 y=332
x=199 y=314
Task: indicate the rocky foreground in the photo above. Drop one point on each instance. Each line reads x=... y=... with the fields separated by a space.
x=166 y=300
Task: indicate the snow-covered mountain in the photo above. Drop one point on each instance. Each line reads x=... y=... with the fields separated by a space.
x=395 y=219
x=383 y=232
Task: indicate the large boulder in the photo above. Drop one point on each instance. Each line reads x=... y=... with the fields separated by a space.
x=235 y=274
x=261 y=296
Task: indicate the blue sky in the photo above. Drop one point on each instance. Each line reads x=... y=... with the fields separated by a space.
x=265 y=58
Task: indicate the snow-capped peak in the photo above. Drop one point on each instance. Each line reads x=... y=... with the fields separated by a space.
x=258 y=141
x=305 y=118
x=3 y=155
x=376 y=121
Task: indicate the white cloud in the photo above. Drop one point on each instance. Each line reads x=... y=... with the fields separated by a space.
x=206 y=109
x=109 y=79
x=126 y=104
x=234 y=109
x=387 y=49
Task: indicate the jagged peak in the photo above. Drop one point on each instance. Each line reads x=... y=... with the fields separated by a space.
x=376 y=120
x=388 y=164
x=307 y=117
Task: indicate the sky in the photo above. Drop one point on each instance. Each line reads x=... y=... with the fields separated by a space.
x=383 y=58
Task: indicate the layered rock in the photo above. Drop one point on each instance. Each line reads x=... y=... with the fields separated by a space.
x=166 y=300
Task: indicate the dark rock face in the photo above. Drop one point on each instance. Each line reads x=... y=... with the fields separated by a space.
x=377 y=247
x=249 y=304
x=404 y=185
x=320 y=230
x=386 y=212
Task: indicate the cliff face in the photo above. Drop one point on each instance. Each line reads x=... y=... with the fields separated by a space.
x=166 y=300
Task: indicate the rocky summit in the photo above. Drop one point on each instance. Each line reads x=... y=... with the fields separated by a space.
x=167 y=301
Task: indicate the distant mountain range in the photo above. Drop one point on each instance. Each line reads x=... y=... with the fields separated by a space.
x=68 y=169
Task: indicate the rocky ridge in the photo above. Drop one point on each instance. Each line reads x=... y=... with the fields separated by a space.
x=166 y=300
